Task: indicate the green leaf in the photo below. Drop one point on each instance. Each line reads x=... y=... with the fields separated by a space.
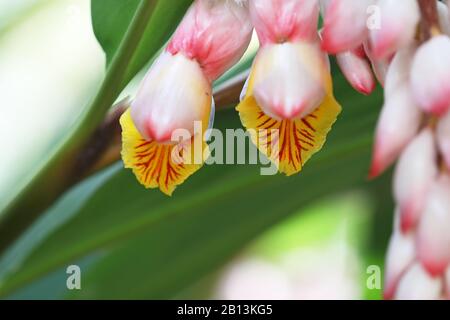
x=111 y=25
x=153 y=246
x=150 y=27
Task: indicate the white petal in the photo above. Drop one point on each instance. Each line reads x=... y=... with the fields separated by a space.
x=289 y=80
x=345 y=24
x=398 y=124
x=430 y=75
x=399 y=21
x=434 y=228
x=399 y=70
x=417 y=284
x=416 y=171
x=400 y=255
x=173 y=95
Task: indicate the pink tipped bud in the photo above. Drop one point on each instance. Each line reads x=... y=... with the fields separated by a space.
x=399 y=70
x=278 y=21
x=215 y=33
x=357 y=71
x=289 y=79
x=174 y=94
x=398 y=124
x=430 y=75
x=417 y=284
x=433 y=233
x=345 y=25
x=443 y=137
x=444 y=17
x=414 y=175
x=400 y=255
x=399 y=20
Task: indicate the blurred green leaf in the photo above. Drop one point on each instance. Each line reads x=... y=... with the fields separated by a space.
x=110 y=27
x=153 y=246
x=152 y=24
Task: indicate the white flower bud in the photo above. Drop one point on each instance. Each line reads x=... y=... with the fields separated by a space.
x=398 y=124
x=345 y=25
x=416 y=171
x=430 y=75
x=357 y=71
x=417 y=284
x=433 y=233
x=399 y=21
x=400 y=255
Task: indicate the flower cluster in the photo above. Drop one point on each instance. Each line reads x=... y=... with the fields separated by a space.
x=287 y=105
x=414 y=127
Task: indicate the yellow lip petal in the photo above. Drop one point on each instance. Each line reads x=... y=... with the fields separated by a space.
x=154 y=164
x=288 y=143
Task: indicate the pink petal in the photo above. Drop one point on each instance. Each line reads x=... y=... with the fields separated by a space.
x=357 y=71
x=215 y=33
x=278 y=21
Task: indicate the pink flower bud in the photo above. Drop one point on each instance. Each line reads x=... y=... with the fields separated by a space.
x=357 y=71
x=399 y=70
x=443 y=138
x=345 y=25
x=399 y=21
x=430 y=75
x=215 y=33
x=278 y=21
x=289 y=79
x=414 y=175
x=433 y=233
x=398 y=124
x=174 y=94
x=417 y=284
x=400 y=255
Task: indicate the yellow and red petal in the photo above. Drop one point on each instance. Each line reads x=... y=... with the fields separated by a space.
x=293 y=141
x=155 y=165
